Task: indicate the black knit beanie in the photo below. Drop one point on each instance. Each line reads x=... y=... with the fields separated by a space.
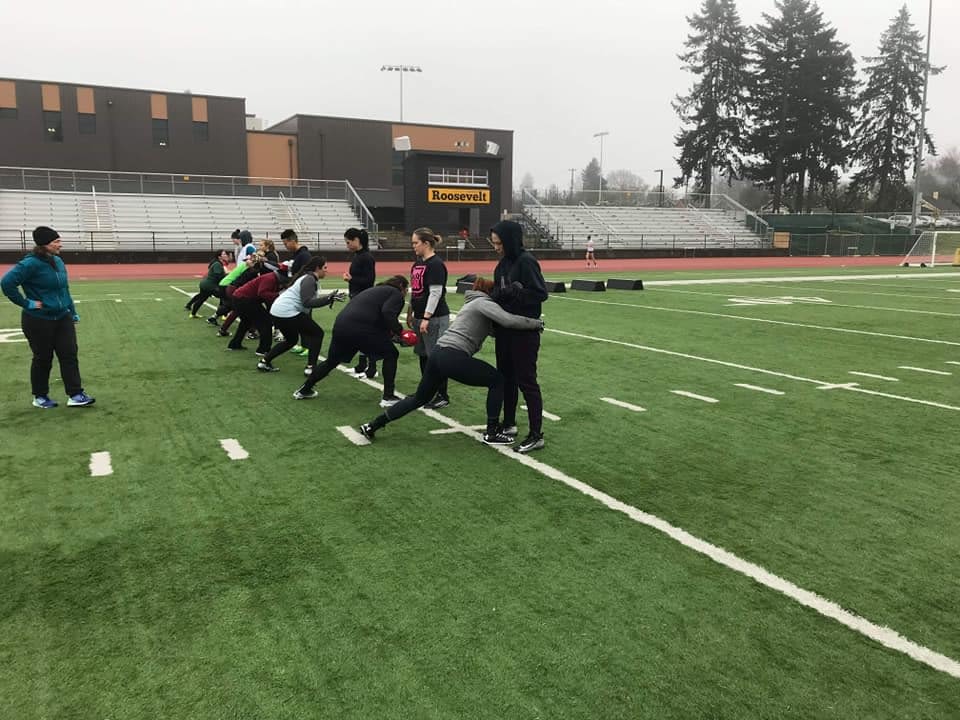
x=44 y=235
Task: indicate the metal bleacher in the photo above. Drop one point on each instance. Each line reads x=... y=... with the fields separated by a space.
x=726 y=224
x=171 y=212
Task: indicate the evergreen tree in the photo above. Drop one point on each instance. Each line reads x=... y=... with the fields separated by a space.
x=889 y=113
x=713 y=109
x=591 y=177
x=802 y=90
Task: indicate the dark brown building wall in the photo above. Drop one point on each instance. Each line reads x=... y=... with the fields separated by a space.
x=337 y=148
x=448 y=218
x=124 y=134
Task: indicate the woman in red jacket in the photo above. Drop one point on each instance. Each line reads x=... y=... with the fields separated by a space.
x=251 y=302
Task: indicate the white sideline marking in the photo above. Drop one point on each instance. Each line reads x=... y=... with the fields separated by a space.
x=883 y=635
x=838 y=386
x=234 y=450
x=118 y=300
x=761 y=320
x=875 y=377
x=353 y=435
x=548 y=416
x=952 y=362
x=952 y=290
x=853 y=387
x=100 y=464
x=621 y=403
x=760 y=389
x=704 y=398
x=924 y=370
x=880 y=634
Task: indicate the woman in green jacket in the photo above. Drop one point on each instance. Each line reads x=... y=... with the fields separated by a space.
x=210 y=285
x=48 y=318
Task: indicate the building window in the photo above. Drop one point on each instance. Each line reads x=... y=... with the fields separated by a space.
x=161 y=133
x=8 y=113
x=469 y=177
x=87 y=123
x=53 y=126
x=201 y=131
x=396 y=167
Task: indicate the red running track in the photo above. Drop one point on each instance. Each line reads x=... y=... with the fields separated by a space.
x=163 y=271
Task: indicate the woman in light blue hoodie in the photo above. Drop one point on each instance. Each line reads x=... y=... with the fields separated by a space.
x=48 y=318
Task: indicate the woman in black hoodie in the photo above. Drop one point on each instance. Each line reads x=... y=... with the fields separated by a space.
x=521 y=290
x=361 y=275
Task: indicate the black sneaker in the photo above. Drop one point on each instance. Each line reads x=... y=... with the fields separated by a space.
x=533 y=441
x=438 y=402
x=510 y=430
x=252 y=335
x=371 y=372
x=360 y=370
x=235 y=347
x=266 y=367
x=367 y=431
x=497 y=438
x=213 y=321
x=305 y=393
x=223 y=333
x=389 y=401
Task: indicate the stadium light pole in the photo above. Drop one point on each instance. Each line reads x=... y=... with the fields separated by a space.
x=572 y=171
x=921 y=131
x=600 y=135
x=401 y=69
x=660 y=194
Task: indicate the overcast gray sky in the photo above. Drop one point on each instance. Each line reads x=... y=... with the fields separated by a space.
x=553 y=73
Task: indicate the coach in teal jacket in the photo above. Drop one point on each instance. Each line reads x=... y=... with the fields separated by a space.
x=48 y=318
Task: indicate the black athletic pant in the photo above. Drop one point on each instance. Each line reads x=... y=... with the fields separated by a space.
x=197 y=301
x=365 y=363
x=252 y=314
x=300 y=328
x=444 y=363
x=347 y=342
x=517 y=352
x=47 y=337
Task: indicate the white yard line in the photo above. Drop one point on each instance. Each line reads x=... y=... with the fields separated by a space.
x=452 y=431
x=883 y=635
x=952 y=362
x=188 y=294
x=769 y=391
x=878 y=633
x=773 y=373
x=875 y=377
x=621 y=403
x=747 y=318
x=795 y=279
x=923 y=370
x=862 y=292
x=352 y=435
x=694 y=396
x=234 y=450
x=100 y=464
x=548 y=416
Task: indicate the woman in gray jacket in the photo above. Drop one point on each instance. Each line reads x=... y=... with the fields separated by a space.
x=453 y=359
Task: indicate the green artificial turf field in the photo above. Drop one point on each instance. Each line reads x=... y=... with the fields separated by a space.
x=808 y=429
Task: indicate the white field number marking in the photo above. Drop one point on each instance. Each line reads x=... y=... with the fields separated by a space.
x=234 y=450
x=875 y=377
x=548 y=416
x=924 y=370
x=621 y=403
x=11 y=335
x=352 y=435
x=100 y=464
x=694 y=396
x=769 y=391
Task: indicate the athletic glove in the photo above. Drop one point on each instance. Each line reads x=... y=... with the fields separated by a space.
x=505 y=295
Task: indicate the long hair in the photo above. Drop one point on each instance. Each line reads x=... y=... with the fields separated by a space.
x=397 y=281
x=312 y=264
x=427 y=235
x=362 y=234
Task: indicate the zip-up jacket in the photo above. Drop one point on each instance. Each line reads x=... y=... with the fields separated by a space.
x=373 y=310
x=43 y=280
x=264 y=288
x=518 y=265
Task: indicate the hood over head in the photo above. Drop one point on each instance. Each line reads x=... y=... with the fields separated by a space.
x=511 y=235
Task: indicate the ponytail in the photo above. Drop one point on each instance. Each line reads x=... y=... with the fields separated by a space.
x=360 y=234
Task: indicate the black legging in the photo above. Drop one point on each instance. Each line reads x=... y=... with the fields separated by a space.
x=297 y=328
x=346 y=342
x=447 y=362
x=517 y=352
x=252 y=314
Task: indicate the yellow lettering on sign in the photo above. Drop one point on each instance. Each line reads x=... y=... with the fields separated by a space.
x=458 y=196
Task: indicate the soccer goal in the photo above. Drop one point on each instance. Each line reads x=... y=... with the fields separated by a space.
x=934 y=248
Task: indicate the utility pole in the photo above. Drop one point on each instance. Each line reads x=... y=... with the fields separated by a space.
x=572 y=171
x=602 y=135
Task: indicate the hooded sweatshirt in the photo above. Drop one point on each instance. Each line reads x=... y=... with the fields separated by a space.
x=475 y=321
x=41 y=279
x=518 y=265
